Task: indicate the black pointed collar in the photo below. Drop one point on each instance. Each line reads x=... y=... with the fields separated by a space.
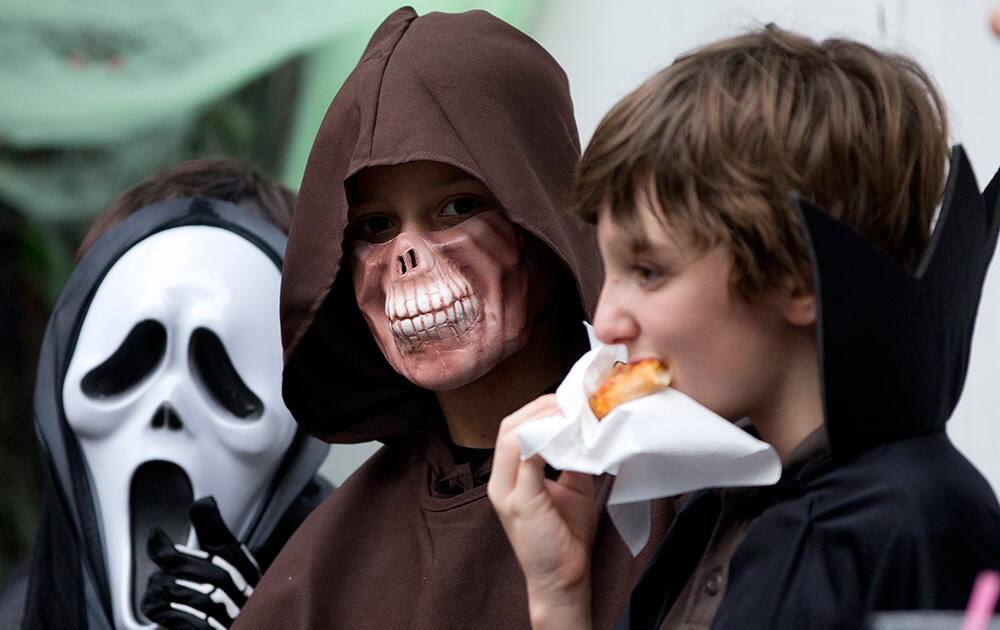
x=893 y=345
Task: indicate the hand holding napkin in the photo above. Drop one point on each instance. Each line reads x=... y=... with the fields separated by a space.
x=659 y=445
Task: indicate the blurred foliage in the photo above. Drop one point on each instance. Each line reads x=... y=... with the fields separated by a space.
x=26 y=273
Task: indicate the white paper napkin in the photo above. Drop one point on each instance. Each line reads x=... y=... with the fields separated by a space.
x=660 y=445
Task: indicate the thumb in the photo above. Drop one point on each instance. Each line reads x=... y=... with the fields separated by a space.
x=159 y=547
x=215 y=537
x=212 y=531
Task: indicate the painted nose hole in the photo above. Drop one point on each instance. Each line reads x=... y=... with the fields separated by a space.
x=402 y=260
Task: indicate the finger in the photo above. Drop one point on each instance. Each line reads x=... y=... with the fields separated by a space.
x=163 y=589
x=208 y=524
x=506 y=461
x=180 y=620
x=539 y=407
x=170 y=556
x=572 y=488
x=507 y=456
x=159 y=547
x=236 y=578
x=530 y=481
x=224 y=607
x=215 y=537
x=196 y=565
x=176 y=615
x=193 y=615
x=576 y=482
x=573 y=498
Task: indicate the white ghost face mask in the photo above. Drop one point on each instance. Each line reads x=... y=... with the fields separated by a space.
x=174 y=393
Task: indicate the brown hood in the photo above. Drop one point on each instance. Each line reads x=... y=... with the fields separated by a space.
x=464 y=89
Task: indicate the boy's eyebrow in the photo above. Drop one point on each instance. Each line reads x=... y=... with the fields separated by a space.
x=457 y=178
x=362 y=204
x=631 y=230
x=637 y=243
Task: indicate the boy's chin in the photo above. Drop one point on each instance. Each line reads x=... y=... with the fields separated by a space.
x=444 y=377
x=448 y=366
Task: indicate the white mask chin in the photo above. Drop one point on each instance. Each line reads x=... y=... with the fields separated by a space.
x=174 y=393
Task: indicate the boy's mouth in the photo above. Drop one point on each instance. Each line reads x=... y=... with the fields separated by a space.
x=433 y=309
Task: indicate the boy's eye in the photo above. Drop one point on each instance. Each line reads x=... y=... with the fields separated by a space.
x=646 y=275
x=461 y=207
x=373 y=228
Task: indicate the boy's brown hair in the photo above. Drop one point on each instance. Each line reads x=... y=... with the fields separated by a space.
x=720 y=139
x=226 y=179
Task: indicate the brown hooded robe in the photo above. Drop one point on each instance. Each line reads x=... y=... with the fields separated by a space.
x=411 y=540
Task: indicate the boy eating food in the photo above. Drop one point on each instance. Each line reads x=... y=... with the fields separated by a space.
x=842 y=334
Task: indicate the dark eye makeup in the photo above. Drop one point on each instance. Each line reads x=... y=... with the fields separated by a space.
x=376 y=227
x=373 y=228
x=463 y=207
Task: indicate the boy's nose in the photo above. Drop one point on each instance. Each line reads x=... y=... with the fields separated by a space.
x=612 y=323
x=411 y=256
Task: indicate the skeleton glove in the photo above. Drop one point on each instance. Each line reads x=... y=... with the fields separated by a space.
x=199 y=589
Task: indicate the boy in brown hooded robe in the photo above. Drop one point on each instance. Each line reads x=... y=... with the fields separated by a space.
x=434 y=282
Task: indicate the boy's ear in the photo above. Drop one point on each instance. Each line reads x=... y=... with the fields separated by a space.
x=801 y=310
x=799 y=302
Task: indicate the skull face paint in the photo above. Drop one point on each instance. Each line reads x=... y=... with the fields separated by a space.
x=446 y=306
x=173 y=392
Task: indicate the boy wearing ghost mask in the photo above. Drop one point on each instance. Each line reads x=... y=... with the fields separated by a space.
x=434 y=282
x=155 y=388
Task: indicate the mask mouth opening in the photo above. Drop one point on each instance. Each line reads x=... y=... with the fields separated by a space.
x=160 y=495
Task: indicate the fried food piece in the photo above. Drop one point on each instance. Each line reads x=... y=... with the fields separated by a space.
x=628 y=381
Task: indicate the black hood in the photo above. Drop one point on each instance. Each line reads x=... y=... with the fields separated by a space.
x=69 y=586
x=894 y=345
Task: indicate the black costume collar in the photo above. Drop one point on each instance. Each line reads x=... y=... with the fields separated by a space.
x=894 y=346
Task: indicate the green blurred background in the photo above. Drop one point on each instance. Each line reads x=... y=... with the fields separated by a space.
x=96 y=96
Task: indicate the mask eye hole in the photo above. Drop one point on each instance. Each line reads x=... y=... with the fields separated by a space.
x=211 y=365
x=133 y=361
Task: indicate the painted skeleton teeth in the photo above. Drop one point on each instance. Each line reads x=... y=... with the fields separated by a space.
x=437 y=309
x=455 y=288
x=446 y=295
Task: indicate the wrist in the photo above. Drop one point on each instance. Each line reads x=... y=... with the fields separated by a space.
x=558 y=607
